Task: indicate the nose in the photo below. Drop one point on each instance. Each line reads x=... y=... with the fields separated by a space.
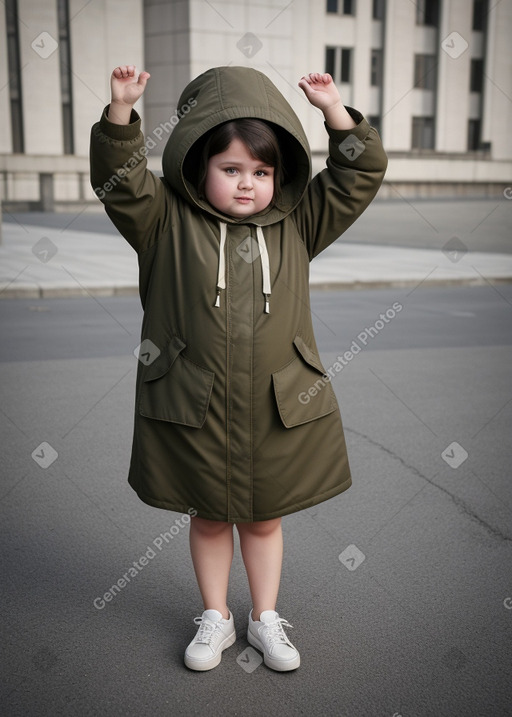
x=245 y=181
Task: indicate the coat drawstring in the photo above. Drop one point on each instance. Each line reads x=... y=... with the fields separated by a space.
x=265 y=266
x=221 y=275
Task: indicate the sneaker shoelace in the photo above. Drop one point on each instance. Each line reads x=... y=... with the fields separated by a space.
x=206 y=630
x=274 y=632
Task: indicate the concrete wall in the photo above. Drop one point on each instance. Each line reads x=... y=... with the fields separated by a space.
x=42 y=120
x=497 y=105
x=102 y=35
x=452 y=111
x=167 y=58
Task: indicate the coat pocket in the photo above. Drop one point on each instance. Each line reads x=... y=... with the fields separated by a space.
x=302 y=392
x=175 y=389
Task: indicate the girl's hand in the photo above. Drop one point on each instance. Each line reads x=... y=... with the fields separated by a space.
x=323 y=93
x=320 y=90
x=127 y=85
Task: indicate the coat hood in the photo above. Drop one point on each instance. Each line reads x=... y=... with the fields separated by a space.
x=227 y=93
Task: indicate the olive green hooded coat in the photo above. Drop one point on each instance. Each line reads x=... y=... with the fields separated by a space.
x=232 y=416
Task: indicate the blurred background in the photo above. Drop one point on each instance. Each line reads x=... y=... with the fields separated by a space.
x=433 y=76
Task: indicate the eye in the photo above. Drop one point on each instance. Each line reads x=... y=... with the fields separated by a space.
x=261 y=173
x=230 y=170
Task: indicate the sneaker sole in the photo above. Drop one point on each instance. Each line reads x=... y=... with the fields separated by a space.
x=203 y=665
x=278 y=665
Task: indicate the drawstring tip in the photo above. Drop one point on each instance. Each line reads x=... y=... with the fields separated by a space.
x=267 y=304
x=217 y=300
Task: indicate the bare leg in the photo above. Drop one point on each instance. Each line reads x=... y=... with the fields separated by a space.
x=211 y=548
x=261 y=544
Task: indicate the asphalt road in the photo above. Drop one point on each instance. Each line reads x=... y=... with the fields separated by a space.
x=99 y=327
x=399 y=590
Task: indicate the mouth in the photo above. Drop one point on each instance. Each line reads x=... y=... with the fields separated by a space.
x=243 y=200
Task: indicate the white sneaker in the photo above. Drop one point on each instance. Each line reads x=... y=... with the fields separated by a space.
x=215 y=634
x=268 y=636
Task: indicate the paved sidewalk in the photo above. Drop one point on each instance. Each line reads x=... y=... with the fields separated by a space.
x=38 y=261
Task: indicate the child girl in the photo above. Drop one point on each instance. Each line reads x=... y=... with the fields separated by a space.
x=233 y=421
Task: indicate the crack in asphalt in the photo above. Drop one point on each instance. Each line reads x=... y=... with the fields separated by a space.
x=461 y=505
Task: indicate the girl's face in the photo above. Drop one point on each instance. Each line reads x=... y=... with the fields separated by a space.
x=237 y=184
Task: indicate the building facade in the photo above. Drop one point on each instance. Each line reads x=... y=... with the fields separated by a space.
x=434 y=76
x=55 y=62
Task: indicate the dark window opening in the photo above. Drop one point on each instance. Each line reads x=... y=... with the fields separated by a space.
x=477 y=75
x=379 y=9
x=65 y=76
x=374 y=121
x=425 y=72
x=341 y=7
x=480 y=12
x=338 y=63
x=330 y=61
x=14 y=67
x=427 y=12
x=346 y=65
x=376 y=68
x=423 y=133
x=474 y=133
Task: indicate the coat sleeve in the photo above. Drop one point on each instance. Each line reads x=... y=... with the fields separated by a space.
x=339 y=194
x=135 y=199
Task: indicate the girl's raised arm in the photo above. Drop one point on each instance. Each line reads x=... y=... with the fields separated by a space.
x=339 y=194
x=136 y=200
x=323 y=93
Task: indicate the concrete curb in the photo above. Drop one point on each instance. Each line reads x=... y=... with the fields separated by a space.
x=407 y=283
x=69 y=292
x=56 y=292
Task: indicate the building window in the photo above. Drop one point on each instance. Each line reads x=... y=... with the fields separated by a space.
x=13 y=60
x=379 y=9
x=376 y=69
x=474 y=129
x=338 y=63
x=346 y=65
x=425 y=72
x=65 y=76
x=423 y=133
x=341 y=7
x=427 y=12
x=330 y=60
x=480 y=11
x=477 y=75
x=374 y=121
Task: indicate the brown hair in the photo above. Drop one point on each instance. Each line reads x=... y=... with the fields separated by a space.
x=259 y=138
